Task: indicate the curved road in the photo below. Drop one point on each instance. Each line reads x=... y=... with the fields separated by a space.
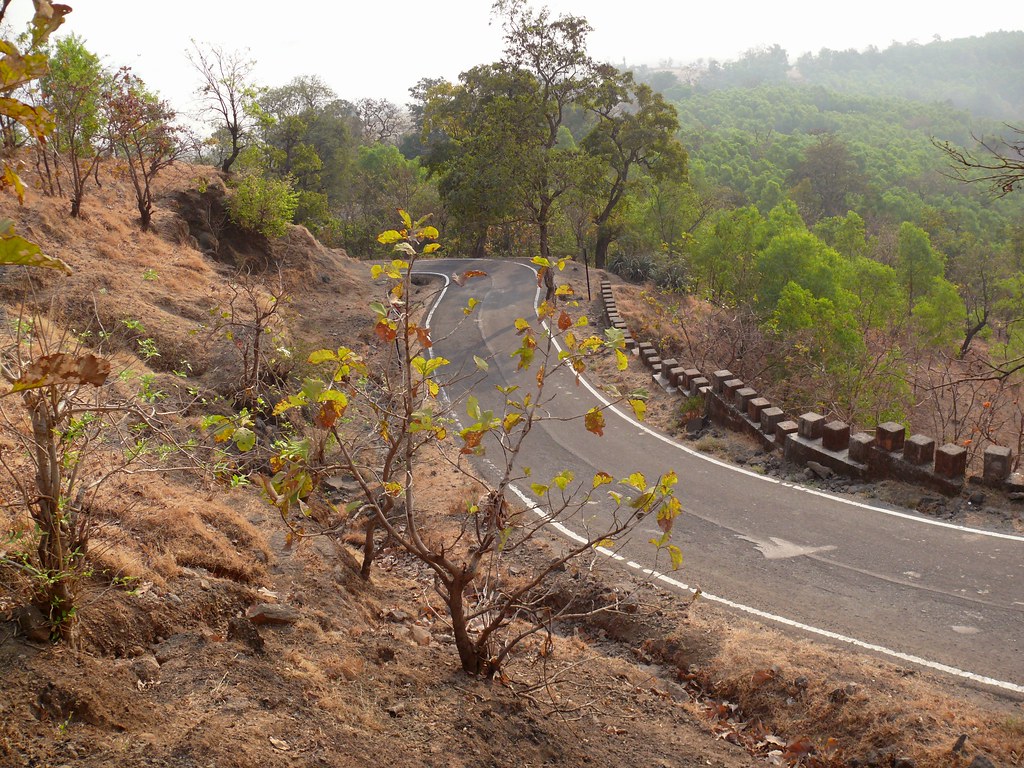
x=919 y=590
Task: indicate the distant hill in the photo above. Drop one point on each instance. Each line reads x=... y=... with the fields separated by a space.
x=982 y=74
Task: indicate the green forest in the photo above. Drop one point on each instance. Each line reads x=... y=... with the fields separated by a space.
x=855 y=212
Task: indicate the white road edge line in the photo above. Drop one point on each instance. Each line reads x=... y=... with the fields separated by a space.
x=826 y=633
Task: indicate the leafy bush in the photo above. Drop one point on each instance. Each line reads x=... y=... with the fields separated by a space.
x=635 y=267
x=263 y=205
x=672 y=275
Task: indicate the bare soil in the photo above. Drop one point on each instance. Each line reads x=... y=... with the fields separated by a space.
x=172 y=673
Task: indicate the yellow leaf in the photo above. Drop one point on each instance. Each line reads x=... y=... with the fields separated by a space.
x=621 y=361
x=676 y=555
x=639 y=408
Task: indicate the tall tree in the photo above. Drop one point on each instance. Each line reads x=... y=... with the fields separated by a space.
x=477 y=131
x=554 y=53
x=918 y=264
x=72 y=92
x=227 y=95
x=831 y=175
x=636 y=129
x=383 y=121
x=144 y=134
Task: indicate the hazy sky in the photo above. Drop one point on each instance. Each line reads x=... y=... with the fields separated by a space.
x=368 y=48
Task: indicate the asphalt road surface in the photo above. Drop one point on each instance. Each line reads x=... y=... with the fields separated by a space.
x=888 y=581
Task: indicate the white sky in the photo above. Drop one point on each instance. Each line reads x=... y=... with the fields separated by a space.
x=381 y=48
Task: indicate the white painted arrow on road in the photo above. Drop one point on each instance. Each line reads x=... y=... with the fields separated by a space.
x=779 y=549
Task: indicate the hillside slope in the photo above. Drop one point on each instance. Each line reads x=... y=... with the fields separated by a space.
x=171 y=672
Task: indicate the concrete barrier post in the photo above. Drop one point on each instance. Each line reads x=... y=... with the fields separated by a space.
x=835 y=436
x=756 y=407
x=811 y=426
x=771 y=417
x=784 y=428
x=718 y=379
x=919 y=449
x=951 y=461
x=689 y=374
x=998 y=463
x=730 y=388
x=890 y=436
x=860 y=444
x=741 y=398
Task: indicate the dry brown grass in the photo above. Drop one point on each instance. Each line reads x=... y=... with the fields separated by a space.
x=344 y=685
x=800 y=688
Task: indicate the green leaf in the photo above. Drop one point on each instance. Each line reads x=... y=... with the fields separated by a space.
x=539 y=489
x=245 y=439
x=406 y=218
x=481 y=363
x=311 y=389
x=563 y=478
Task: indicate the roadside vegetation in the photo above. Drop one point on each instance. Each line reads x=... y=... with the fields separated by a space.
x=221 y=434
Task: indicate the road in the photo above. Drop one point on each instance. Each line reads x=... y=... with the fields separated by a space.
x=888 y=581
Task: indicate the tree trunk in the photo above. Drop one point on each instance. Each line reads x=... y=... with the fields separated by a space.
x=973 y=331
x=230 y=159
x=145 y=215
x=479 y=249
x=56 y=549
x=368 y=547
x=604 y=239
x=471 y=657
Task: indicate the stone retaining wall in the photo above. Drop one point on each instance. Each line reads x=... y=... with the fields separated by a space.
x=811 y=440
